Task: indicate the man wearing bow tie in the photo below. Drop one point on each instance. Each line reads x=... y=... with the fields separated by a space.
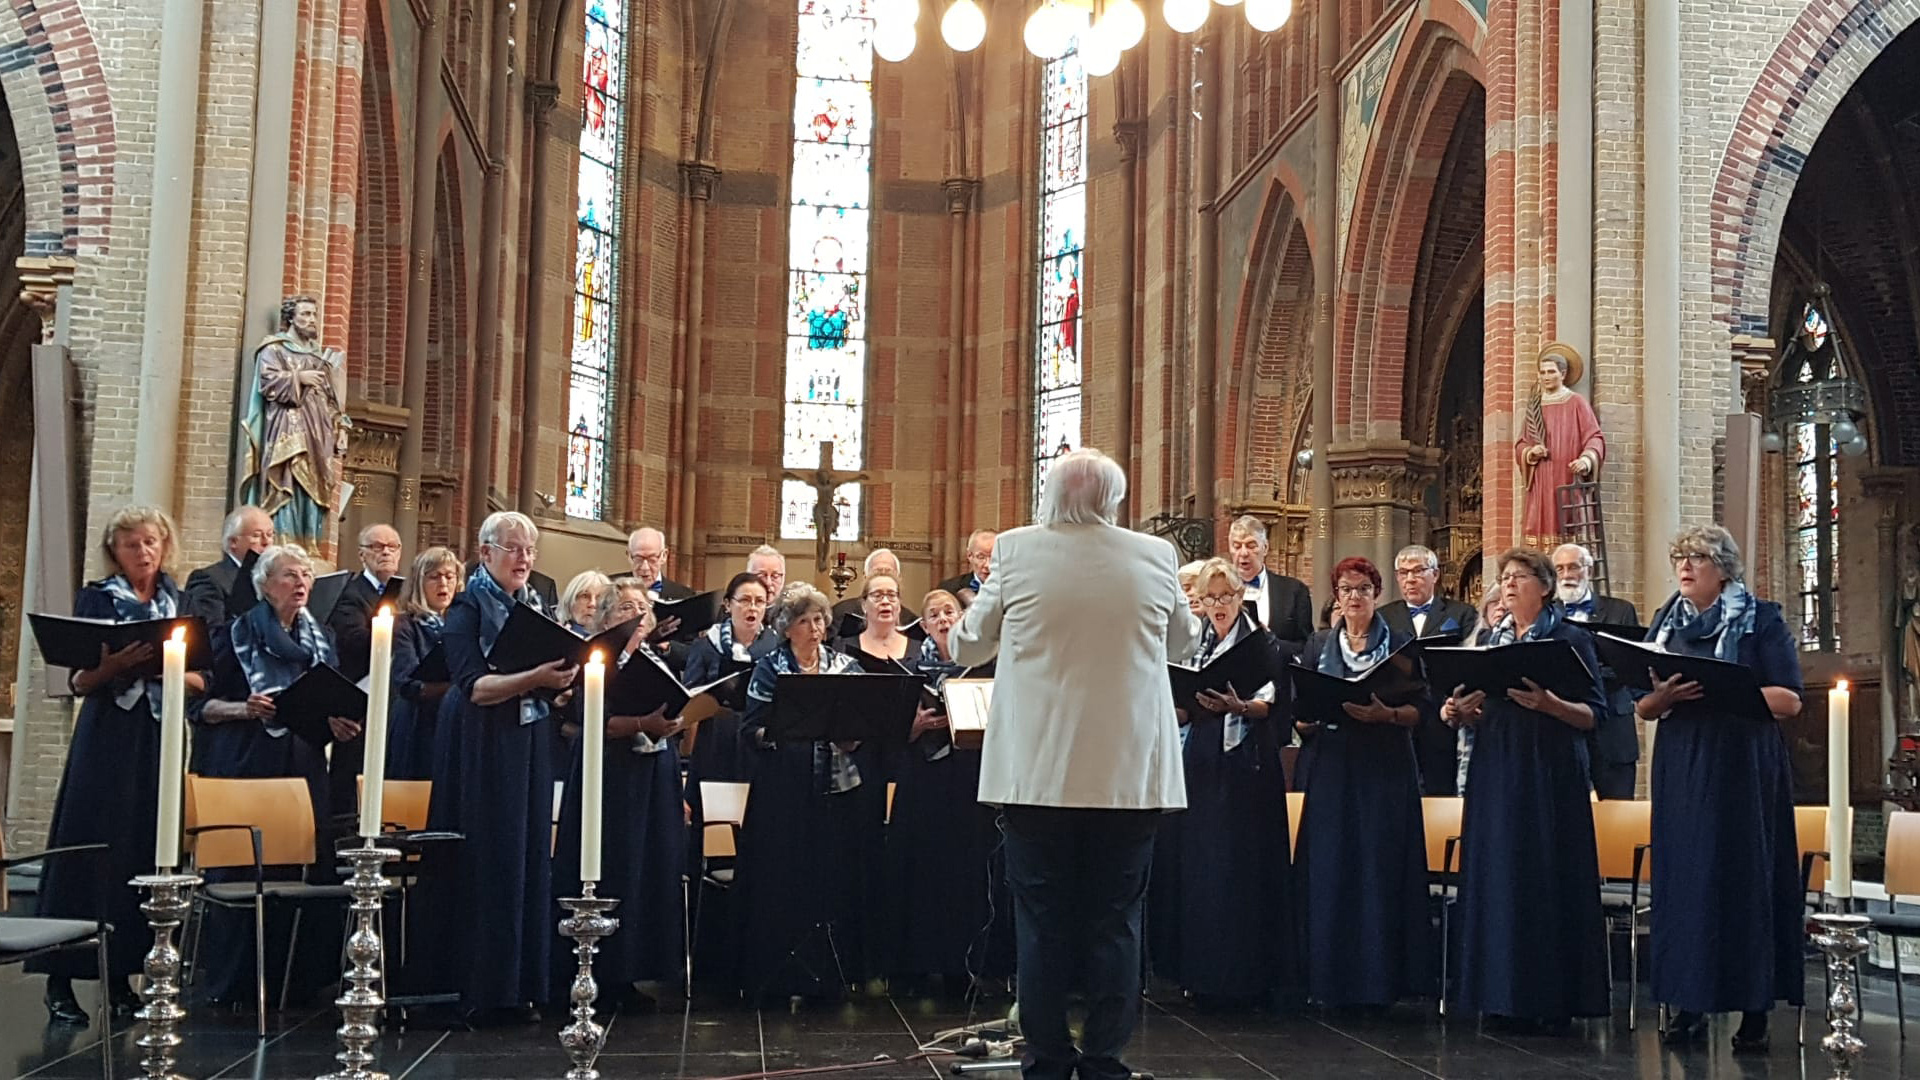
x=1614 y=743
x=1284 y=605
x=1422 y=612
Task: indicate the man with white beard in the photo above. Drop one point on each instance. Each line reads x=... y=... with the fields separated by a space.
x=1613 y=746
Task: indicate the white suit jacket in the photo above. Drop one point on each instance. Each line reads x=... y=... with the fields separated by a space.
x=1084 y=619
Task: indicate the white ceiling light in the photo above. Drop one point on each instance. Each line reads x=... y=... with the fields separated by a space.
x=1049 y=31
x=1100 y=50
x=893 y=41
x=964 y=26
x=1268 y=15
x=896 y=11
x=1186 y=16
x=1126 y=22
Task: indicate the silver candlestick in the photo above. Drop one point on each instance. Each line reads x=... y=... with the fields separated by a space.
x=587 y=924
x=1843 y=939
x=169 y=895
x=360 y=1000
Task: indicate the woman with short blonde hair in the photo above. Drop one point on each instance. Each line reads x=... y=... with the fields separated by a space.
x=414 y=716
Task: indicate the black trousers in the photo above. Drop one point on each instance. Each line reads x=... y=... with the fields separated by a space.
x=1079 y=883
x=1615 y=780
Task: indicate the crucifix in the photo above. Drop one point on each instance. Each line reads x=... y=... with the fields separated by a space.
x=826 y=513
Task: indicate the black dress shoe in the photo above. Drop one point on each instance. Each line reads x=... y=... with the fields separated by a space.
x=1685 y=1029
x=62 y=1008
x=124 y=1001
x=1752 y=1036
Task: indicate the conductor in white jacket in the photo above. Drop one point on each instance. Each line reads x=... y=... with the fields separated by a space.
x=1082 y=750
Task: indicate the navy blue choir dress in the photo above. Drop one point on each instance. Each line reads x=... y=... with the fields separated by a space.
x=256 y=655
x=108 y=794
x=414 y=713
x=493 y=782
x=1226 y=928
x=643 y=854
x=1729 y=936
x=1361 y=859
x=717 y=751
x=1532 y=935
x=950 y=913
x=810 y=851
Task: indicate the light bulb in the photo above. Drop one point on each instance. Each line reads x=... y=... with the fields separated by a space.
x=1268 y=15
x=896 y=11
x=1099 y=50
x=1772 y=442
x=893 y=41
x=1125 y=22
x=1844 y=431
x=1186 y=16
x=1227 y=3
x=1855 y=446
x=1048 y=32
x=964 y=26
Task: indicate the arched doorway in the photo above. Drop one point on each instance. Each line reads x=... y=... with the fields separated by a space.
x=19 y=330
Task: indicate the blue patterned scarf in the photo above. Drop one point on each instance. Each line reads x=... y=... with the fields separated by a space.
x=1507 y=633
x=1337 y=660
x=720 y=636
x=130 y=608
x=272 y=657
x=1725 y=621
x=495 y=604
x=833 y=769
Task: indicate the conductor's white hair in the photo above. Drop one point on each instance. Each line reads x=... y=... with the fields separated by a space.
x=1084 y=487
x=275 y=557
x=503 y=523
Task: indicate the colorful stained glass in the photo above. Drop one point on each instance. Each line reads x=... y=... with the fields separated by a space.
x=828 y=234
x=1057 y=369
x=596 y=258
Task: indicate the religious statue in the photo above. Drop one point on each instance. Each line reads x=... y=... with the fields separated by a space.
x=827 y=510
x=1560 y=443
x=295 y=429
x=1909 y=555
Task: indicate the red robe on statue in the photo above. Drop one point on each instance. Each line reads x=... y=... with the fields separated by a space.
x=1572 y=430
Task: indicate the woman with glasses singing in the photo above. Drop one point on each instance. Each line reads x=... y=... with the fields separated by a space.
x=1533 y=950
x=880 y=645
x=740 y=638
x=415 y=712
x=1227 y=930
x=643 y=845
x=1362 y=859
x=1729 y=935
x=493 y=781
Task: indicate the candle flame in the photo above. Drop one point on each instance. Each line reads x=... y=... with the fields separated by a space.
x=595 y=658
x=1841 y=686
x=386 y=611
x=180 y=633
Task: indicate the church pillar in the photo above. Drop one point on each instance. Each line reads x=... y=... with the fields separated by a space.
x=1206 y=284
x=267 y=224
x=1573 y=195
x=169 y=238
x=1127 y=133
x=1326 y=188
x=541 y=99
x=949 y=546
x=428 y=104
x=700 y=178
x=1375 y=492
x=490 y=312
x=1890 y=491
x=1660 y=292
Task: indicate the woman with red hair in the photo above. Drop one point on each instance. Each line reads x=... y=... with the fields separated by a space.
x=1361 y=855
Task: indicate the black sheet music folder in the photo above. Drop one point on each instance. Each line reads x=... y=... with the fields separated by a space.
x=1400 y=679
x=1552 y=664
x=530 y=639
x=1246 y=665
x=319 y=693
x=844 y=707
x=696 y=614
x=1728 y=687
x=71 y=642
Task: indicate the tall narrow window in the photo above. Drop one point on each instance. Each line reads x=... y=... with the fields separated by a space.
x=827 y=242
x=596 y=257
x=1814 y=498
x=1063 y=227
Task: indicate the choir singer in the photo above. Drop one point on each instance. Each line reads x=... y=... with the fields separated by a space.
x=1082 y=750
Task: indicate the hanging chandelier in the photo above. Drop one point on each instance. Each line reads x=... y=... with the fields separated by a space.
x=1102 y=29
x=1813 y=386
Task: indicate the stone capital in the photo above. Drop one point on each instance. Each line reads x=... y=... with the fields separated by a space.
x=1381 y=475
x=1755 y=355
x=1129 y=133
x=961 y=192
x=542 y=98
x=41 y=278
x=700 y=178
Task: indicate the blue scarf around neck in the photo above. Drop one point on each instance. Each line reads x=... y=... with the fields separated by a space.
x=272 y=656
x=1333 y=656
x=1724 y=622
x=495 y=604
x=1549 y=620
x=833 y=769
x=130 y=608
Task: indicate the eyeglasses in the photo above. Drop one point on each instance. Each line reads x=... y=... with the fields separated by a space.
x=1218 y=601
x=1352 y=590
x=1416 y=571
x=1691 y=558
x=883 y=595
x=1512 y=576
x=382 y=549
x=636 y=557
x=518 y=551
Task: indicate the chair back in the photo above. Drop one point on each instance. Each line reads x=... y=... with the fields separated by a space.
x=1810 y=835
x=1619 y=827
x=723 y=802
x=1903 y=854
x=891 y=789
x=1441 y=815
x=1296 y=800
x=279 y=807
x=402 y=802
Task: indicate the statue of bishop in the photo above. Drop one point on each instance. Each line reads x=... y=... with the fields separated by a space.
x=295 y=429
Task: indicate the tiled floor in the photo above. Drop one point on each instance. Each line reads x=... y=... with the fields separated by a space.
x=714 y=1039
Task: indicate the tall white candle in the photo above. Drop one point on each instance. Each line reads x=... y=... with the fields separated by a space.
x=374 y=736
x=593 y=747
x=1839 y=789
x=173 y=749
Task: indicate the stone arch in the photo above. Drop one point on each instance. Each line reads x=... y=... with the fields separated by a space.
x=377 y=333
x=447 y=422
x=1434 y=86
x=1272 y=348
x=59 y=101
x=1817 y=61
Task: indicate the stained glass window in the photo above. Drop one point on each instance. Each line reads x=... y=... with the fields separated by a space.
x=1813 y=499
x=596 y=258
x=828 y=225
x=1062 y=240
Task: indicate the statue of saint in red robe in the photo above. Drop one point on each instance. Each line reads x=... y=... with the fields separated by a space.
x=1560 y=443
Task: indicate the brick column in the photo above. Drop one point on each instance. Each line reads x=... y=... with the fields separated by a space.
x=1128 y=134
x=948 y=546
x=428 y=103
x=490 y=312
x=541 y=99
x=700 y=178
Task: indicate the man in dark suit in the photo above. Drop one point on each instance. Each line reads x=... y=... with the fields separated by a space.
x=1423 y=613
x=212 y=590
x=1284 y=604
x=647 y=552
x=351 y=621
x=1613 y=746
x=979 y=567
x=847 y=619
